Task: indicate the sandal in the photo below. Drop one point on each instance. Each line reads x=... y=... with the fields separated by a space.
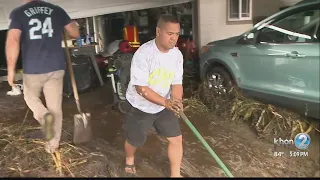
x=131 y=172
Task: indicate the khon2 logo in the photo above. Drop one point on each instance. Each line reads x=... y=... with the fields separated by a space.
x=301 y=141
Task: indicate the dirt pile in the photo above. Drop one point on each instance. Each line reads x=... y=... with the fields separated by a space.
x=23 y=157
x=267 y=120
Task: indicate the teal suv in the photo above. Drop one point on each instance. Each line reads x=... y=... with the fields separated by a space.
x=277 y=61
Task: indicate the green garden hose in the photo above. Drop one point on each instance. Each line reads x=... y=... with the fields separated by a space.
x=205 y=144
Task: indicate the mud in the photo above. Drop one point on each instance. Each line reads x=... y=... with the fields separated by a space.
x=235 y=144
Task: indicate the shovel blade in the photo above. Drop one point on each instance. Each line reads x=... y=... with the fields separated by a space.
x=82 y=128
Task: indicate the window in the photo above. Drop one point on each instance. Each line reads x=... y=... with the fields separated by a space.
x=302 y=27
x=239 y=10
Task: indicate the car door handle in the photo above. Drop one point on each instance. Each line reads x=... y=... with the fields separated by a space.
x=234 y=54
x=295 y=54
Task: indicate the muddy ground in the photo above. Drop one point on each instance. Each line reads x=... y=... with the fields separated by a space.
x=236 y=144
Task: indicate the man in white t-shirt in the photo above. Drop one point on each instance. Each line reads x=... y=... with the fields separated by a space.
x=155 y=93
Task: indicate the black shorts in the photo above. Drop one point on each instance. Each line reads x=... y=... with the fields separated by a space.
x=138 y=123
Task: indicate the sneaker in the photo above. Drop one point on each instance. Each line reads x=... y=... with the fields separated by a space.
x=48 y=126
x=15 y=91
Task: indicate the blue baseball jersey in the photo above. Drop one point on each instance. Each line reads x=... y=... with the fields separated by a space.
x=42 y=26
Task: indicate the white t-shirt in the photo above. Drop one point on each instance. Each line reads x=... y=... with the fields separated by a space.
x=155 y=69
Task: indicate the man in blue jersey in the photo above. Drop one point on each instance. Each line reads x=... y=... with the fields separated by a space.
x=38 y=27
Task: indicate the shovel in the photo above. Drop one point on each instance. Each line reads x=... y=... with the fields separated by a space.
x=82 y=128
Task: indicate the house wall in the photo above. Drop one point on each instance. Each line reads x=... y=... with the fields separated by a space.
x=262 y=8
x=289 y=2
x=214 y=25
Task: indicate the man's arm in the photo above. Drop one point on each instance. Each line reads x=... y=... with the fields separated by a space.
x=72 y=29
x=176 y=87
x=177 y=91
x=139 y=77
x=12 y=48
x=150 y=95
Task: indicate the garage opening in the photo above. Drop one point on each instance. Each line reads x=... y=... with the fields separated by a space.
x=113 y=50
x=102 y=48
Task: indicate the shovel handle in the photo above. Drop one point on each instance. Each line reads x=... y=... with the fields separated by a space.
x=73 y=81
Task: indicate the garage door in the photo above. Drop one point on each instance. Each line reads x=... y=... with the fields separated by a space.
x=88 y=8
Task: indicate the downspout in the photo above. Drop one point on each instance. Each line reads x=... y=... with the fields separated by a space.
x=96 y=34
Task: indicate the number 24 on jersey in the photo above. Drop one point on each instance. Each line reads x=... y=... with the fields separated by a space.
x=45 y=28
